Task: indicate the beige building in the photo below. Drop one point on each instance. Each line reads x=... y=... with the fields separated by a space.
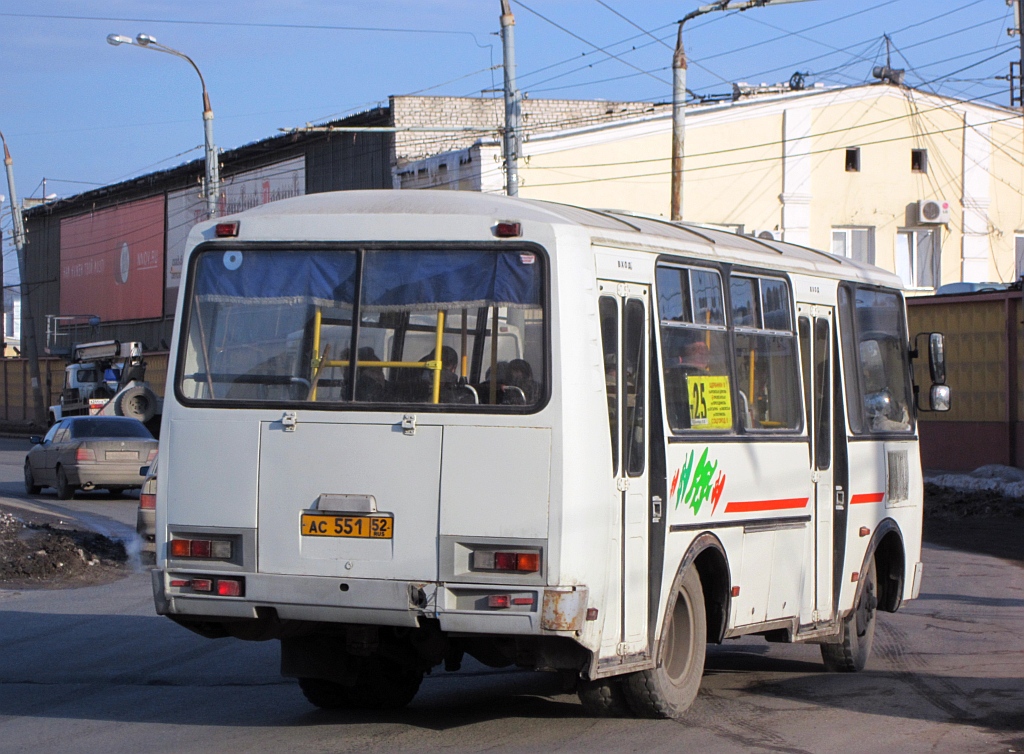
x=927 y=186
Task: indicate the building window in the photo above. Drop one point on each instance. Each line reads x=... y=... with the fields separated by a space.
x=917 y=257
x=919 y=160
x=853 y=160
x=857 y=244
x=1018 y=253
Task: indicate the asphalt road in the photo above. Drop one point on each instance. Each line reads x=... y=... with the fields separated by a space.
x=94 y=669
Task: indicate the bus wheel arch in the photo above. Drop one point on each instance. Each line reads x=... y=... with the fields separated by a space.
x=890 y=559
x=696 y=611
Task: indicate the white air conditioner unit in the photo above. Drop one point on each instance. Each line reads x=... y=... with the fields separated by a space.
x=932 y=212
x=767 y=235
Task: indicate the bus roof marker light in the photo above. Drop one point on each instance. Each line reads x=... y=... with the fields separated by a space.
x=226 y=230
x=508 y=229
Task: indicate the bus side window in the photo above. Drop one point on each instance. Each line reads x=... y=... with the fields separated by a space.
x=766 y=367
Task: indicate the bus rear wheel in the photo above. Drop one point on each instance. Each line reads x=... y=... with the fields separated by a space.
x=670 y=687
x=603 y=698
x=380 y=684
x=851 y=654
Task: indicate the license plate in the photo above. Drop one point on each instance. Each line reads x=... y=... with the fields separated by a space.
x=122 y=455
x=361 y=527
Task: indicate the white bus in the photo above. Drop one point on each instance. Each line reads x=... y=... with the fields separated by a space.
x=405 y=427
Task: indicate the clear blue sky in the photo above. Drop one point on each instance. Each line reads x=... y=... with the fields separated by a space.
x=81 y=113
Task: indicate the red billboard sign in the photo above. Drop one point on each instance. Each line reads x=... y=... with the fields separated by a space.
x=112 y=262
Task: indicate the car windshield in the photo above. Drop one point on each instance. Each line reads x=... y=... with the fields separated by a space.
x=86 y=428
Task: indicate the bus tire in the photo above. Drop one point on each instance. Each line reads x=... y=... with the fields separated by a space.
x=668 y=689
x=383 y=684
x=851 y=654
x=604 y=697
x=325 y=694
x=137 y=402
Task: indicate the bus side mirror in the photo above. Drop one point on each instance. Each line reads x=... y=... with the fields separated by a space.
x=937 y=357
x=939 y=396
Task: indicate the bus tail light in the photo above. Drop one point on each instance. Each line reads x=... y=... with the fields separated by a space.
x=201 y=548
x=85 y=454
x=229 y=587
x=499 y=600
x=520 y=562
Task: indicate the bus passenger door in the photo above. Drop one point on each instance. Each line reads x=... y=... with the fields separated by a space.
x=624 y=312
x=816 y=354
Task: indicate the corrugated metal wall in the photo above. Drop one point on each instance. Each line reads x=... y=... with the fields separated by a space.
x=983 y=352
x=16 y=395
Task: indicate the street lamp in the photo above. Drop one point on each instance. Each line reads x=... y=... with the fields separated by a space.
x=679 y=91
x=212 y=170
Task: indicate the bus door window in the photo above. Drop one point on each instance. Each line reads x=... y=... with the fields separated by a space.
x=608 y=309
x=822 y=393
x=804 y=330
x=634 y=378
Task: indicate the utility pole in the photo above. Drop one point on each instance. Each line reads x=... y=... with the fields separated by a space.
x=679 y=92
x=28 y=328
x=1017 y=98
x=511 y=141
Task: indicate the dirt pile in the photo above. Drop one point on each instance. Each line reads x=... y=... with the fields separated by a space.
x=43 y=554
x=948 y=504
x=983 y=521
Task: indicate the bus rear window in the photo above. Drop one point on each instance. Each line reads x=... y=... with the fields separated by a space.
x=448 y=327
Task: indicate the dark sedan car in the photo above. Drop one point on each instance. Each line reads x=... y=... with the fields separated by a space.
x=86 y=452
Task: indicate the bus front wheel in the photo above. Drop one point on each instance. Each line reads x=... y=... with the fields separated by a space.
x=670 y=687
x=851 y=654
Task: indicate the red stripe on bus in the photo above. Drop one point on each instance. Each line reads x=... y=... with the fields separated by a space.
x=868 y=497
x=752 y=506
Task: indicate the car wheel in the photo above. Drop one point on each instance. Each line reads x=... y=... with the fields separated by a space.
x=65 y=490
x=670 y=687
x=31 y=488
x=851 y=654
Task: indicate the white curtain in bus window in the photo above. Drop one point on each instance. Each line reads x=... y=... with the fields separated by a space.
x=766 y=369
x=694 y=348
x=250 y=319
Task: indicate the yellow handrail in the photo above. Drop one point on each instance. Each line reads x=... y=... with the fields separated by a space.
x=438 y=342
x=321 y=362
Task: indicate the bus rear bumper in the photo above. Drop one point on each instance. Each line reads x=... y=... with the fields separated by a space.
x=468 y=608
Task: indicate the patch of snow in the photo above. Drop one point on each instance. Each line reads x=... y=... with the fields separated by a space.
x=1006 y=480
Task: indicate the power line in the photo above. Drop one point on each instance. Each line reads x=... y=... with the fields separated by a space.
x=244 y=24
x=586 y=42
